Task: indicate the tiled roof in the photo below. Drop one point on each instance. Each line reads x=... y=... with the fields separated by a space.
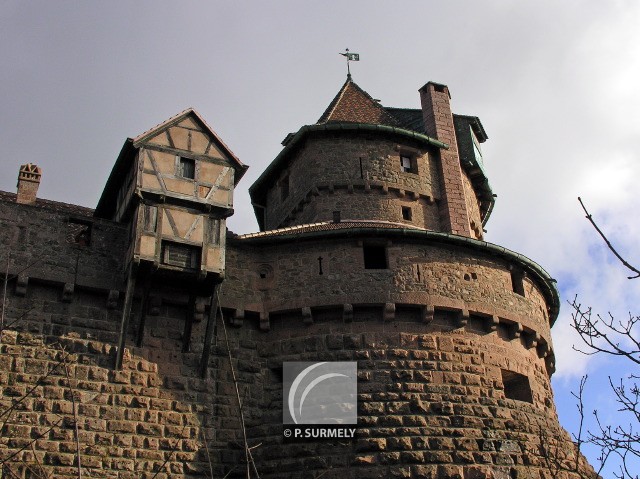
x=50 y=205
x=327 y=226
x=353 y=104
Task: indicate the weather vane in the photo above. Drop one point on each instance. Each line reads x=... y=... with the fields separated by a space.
x=351 y=57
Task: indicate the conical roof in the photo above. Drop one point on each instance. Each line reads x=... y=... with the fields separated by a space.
x=354 y=105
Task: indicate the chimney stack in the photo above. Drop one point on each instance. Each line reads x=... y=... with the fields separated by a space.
x=28 y=183
x=438 y=122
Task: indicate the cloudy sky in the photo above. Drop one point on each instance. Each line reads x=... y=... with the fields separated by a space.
x=554 y=83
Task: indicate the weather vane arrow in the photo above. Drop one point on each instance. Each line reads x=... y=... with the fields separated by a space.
x=351 y=57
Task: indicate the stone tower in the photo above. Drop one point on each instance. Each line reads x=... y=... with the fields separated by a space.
x=371 y=250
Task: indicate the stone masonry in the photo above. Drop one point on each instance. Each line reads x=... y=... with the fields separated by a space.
x=370 y=249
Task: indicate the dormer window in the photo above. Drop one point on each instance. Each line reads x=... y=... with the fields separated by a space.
x=408 y=163
x=186 y=168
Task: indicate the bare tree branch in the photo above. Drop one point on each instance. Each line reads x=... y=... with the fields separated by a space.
x=609 y=245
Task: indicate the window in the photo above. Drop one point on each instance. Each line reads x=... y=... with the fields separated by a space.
x=284 y=188
x=182 y=255
x=406 y=213
x=408 y=164
x=79 y=232
x=186 y=168
x=214 y=231
x=517 y=281
x=375 y=256
x=516 y=386
x=150 y=220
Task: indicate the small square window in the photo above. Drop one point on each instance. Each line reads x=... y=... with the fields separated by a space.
x=408 y=164
x=516 y=386
x=406 y=213
x=79 y=232
x=186 y=168
x=375 y=256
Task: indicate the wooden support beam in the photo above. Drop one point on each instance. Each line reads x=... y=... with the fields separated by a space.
x=126 y=312
x=209 y=333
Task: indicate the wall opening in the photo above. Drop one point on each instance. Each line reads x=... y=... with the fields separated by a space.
x=186 y=168
x=79 y=232
x=375 y=256
x=150 y=221
x=408 y=163
x=181 y=255
x=406 y=213
x=517 y=281
x=516 y=386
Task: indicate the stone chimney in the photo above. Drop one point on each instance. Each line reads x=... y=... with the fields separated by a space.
x=28 y=182
x=438 y=122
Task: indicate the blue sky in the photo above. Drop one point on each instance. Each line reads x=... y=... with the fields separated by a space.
x=554 y=83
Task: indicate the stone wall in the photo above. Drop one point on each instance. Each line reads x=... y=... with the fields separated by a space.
x=432 y=334
x=337 y=173
x=473 y=208
x=431 y=403
x=419 y=273
x=61 y=244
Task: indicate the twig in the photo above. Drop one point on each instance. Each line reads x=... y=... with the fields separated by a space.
x=7 y=326
x=39 y=436
x=609 y=245
x=4 y=293
x=35 y=456
x=75 y=414
x=173 y=450
x=28 y=393
x=580 y=407
x=247 y=453
x=230 y=471
x=206 y=446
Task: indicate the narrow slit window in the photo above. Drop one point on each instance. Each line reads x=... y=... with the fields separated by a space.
x=517 y=282
x=186 y=168
x=214 y=231
x=375 y=256
x=516 y=386
x=150 y=218
x=406 y=213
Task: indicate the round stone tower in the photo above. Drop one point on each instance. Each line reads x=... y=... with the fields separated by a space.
x=371 y=249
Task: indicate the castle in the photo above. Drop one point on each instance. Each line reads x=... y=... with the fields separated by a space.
x=131 y=333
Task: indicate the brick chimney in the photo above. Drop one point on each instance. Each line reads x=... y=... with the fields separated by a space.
x=438 y=122
x=28 y=182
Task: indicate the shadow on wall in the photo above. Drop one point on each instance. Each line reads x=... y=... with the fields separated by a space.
x=60 y=395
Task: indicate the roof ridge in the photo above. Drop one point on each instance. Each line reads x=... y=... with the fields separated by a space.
x=334 y=103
